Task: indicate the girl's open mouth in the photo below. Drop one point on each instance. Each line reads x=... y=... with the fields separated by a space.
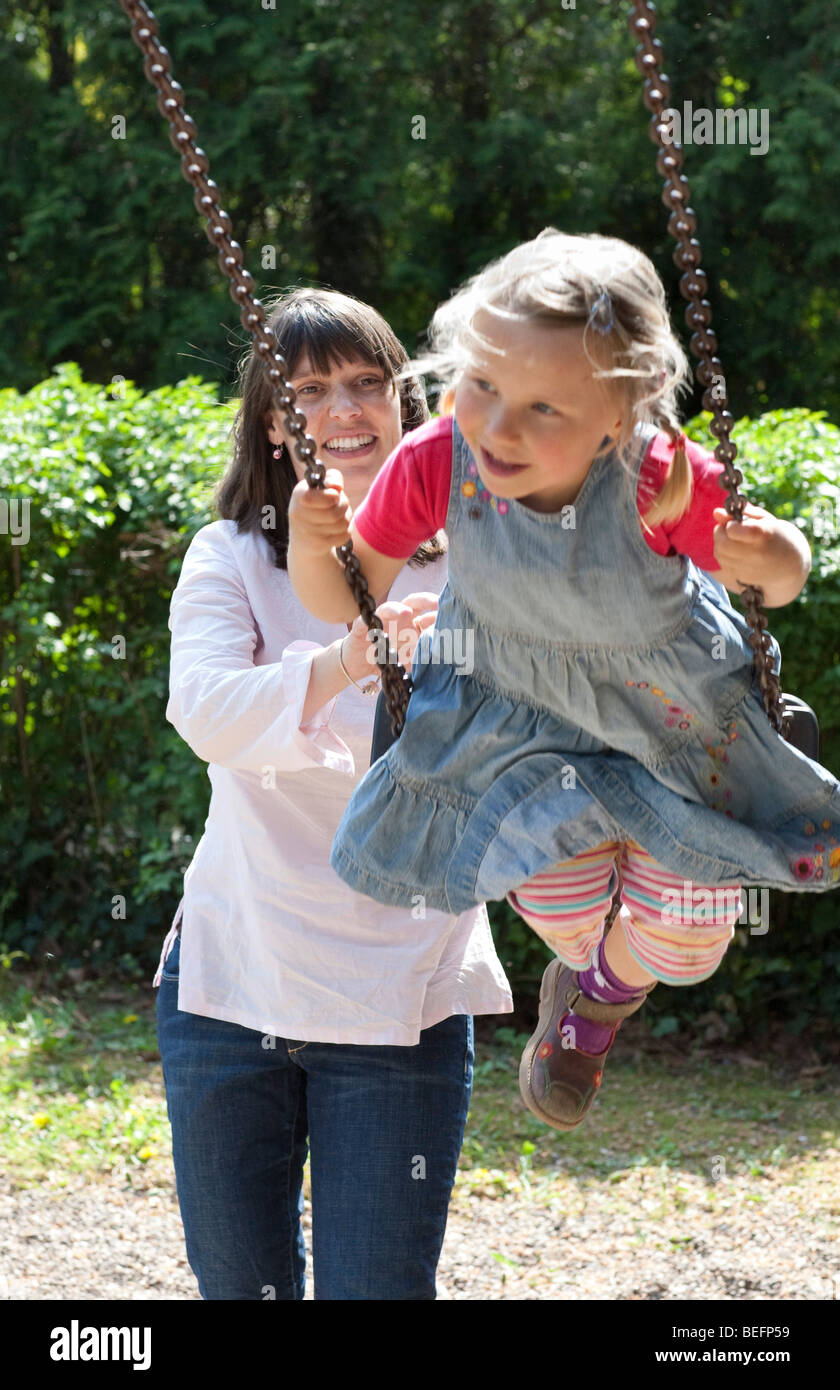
x=499 y=467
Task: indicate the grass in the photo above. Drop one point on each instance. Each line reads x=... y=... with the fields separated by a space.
x=673 y=1127
x=81 y=1084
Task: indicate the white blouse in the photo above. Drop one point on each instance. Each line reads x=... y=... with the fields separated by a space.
x=271 y=937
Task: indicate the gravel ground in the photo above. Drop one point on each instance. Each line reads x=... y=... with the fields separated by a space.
x=107 y=1240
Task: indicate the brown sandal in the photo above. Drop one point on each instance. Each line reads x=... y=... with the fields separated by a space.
x=557 y=1082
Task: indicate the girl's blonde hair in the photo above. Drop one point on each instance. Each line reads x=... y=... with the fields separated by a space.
x=612 y=290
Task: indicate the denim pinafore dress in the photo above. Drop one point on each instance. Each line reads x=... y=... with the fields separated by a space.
x=578 y=687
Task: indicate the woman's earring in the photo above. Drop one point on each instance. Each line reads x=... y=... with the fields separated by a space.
x=278 y=452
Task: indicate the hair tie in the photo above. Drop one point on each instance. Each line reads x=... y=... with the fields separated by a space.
x=680 y=442
x=601 y=313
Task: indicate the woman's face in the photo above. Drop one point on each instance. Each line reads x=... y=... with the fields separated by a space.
x=354 y=416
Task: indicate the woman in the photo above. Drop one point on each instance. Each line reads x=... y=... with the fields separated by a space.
x=293 y=1012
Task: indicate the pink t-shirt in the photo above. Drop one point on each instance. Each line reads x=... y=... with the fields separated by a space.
x=408 y=500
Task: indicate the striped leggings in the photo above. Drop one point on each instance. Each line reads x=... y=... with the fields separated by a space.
x=677 y=930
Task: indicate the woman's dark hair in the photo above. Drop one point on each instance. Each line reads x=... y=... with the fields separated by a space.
x=331 y=328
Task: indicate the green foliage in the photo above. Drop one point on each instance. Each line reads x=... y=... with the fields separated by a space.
x=791 y=465
x=308 y=113
x=101 y=798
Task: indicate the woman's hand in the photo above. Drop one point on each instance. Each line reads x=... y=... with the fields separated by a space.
x=319 y=518
x=403 y=620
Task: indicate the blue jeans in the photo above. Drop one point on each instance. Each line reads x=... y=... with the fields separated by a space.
x=384 y=1127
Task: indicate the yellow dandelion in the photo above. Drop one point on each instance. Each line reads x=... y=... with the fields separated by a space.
x=130 y=1018
x=41 y=1119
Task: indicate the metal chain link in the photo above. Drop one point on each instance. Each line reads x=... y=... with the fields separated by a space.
x=396 y=681
x=693 y=285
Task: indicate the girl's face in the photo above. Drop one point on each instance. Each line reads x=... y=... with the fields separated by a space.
x=534 y=417
x=354 y=416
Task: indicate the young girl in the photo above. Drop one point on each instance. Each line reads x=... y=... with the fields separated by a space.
x=608 y=728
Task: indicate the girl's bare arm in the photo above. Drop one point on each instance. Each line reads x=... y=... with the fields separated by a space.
x=319 y=521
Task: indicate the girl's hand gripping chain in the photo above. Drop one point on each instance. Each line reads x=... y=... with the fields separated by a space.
x=760 y=550
x=319 y=520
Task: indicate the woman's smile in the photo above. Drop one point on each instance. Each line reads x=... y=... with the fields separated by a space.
x=359 y=444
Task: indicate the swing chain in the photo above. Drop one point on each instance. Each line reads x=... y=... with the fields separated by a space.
x=396 y=681
x=682 y=224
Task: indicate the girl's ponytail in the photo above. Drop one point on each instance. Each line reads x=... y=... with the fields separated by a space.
x=674 y=497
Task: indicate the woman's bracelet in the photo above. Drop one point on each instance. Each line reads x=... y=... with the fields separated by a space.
x=372 y=686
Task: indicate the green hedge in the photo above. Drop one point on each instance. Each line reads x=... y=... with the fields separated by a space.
x=101 y=798
x=103 y=803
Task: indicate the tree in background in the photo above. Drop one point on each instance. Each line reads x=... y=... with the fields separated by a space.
x=390 y=157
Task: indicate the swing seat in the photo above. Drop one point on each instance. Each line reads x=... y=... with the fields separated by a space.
x=804 y=732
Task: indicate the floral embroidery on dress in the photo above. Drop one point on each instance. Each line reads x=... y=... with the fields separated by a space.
x=717 y=751
x=677 y=716
x=472 y=489
x=674 y=714
x=807 y=866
